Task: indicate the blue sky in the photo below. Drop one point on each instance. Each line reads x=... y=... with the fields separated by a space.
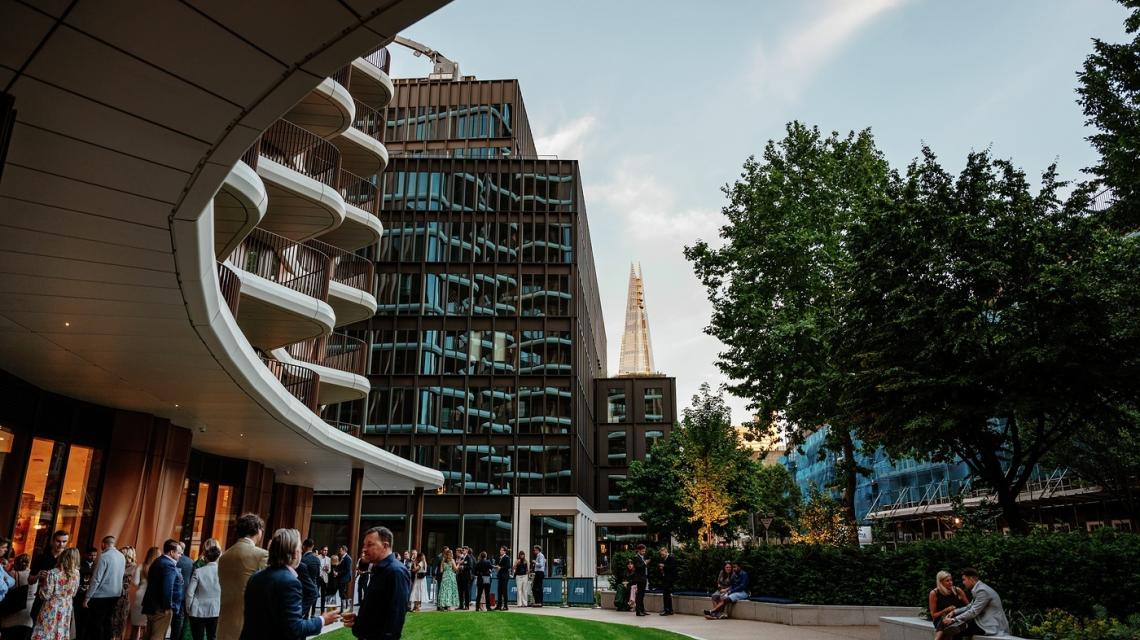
x=662 y=102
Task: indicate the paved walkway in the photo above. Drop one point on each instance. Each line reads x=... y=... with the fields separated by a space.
x=698 y=627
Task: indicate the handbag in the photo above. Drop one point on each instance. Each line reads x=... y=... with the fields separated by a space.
x=16 y=600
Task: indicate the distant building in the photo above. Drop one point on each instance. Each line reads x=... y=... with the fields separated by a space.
x=636 y=345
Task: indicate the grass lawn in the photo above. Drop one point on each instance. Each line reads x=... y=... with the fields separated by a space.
x=513 y=626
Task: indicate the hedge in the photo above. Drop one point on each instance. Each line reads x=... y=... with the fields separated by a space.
x=1032 y=574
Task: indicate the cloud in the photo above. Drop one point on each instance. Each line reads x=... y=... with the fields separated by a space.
x=648 y=207
x=569 y=140
x=787 y=70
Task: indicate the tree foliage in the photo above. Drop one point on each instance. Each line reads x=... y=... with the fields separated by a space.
x=821 y=521
x=1109 y=93
x=988 y=323
x=775 y=282
x=778 y=497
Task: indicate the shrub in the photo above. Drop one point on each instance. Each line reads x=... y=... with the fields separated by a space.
x=1032 y=574
x=1061 y=625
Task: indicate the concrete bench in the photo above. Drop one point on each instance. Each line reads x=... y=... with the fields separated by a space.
x=913 y=628
x=790 y=614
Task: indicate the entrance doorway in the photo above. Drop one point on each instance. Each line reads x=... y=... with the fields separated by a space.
x=58 y=493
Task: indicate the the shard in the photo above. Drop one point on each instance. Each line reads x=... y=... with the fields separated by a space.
x=636 y=347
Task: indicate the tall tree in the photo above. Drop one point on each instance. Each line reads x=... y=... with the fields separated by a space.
x=988 y=323
x=775 y=282
x=701 y=482
x=779 y=497
x=1109 y=93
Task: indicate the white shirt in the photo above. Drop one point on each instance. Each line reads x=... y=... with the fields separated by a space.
x=539 y=563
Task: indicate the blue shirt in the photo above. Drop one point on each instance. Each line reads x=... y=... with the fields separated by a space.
x=539 y=563
x=6 y=582
x=385 y=604
x=739 y=582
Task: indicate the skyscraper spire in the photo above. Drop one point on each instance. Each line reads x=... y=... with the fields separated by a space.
x=636 y=348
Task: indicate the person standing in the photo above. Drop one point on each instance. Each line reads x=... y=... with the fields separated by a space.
x=237 y=564
x=667 y=574
x=309 y=572
x=521 y=570
x=6 y=581
x=504 y=576
x=385 y=607
x=86 y=570
x=204 y=597
x=640 y=579
x=138 y=618
x=362 y=571
x=273 y=595
x=482 y=573
x=326 y=567
x=419 y=574
x=447 y=597
x=45 y=562
x=164 y=591
x=538 y=572
x=186 y=568
x=105 y=591
x=344 y=578
x=18 y=625
x=57 y=588
x=463 y=577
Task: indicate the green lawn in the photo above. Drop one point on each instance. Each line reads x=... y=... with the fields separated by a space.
x=512 y=626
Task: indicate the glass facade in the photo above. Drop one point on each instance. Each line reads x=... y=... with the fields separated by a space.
x=615 y=405
x=59 y=491
x=654 y=405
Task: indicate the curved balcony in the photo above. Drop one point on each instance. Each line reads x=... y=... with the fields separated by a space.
x=345 y=427
x=285 y=288
x=370 y=80
x=328 y=109
x=300 y=382
x=230 y=285
x=351 y=284
x=239 y=205
x=361 y=227
x=361 y=149
x=339 y=360
x=301 y=173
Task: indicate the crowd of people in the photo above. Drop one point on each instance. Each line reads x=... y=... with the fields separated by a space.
x=287 y=590
x=448 y=578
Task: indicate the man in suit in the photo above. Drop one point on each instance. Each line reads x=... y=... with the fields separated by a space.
x=538 y=573
x=106 y=588
x=640 y=579
x=309 y=573
x=385 y=605
x=273 y=597
x=344 y=578
x=237 y=564
x=984 y=616
x=463 y=577
x=667 y=575
x=504 y=575
x=186 y=568
x=164 y=590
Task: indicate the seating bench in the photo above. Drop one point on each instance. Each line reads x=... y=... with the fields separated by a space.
x=914 y=628
x=761 y=609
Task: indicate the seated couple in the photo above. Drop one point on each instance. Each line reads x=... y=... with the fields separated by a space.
x=732 y=586
x=954 y=615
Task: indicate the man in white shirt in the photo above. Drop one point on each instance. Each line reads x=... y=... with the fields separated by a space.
x=538 y=572
x=103 y=594
x=326 y=567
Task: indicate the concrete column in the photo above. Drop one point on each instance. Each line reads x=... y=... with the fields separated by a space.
x=417 y=523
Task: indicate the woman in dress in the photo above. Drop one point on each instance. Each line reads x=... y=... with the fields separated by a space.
x=18 y=625
x=483 y=571
x=419 y=574
x=58 y=592
x=522 y=567
x=120 y=618
x=944 y=599
x=448 y=597
x=138 y=619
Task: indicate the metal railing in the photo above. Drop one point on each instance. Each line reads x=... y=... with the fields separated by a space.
x=251 y=154
x=346 y=427
x=359 y=192
x=302 y=383
x=230 y=285
x=369 y=120
x=301 y=150
x=341 y=76
x=347 y=268
x=337 y=351
x=380 y=58
x=292 y=264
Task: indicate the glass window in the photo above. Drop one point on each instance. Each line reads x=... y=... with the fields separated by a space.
x=613 y=498
x=651 y=438
x=555 y=534
x=59 y=490
x=654 y=405
x=617 y=449
x=224 y=514
x=615 y=405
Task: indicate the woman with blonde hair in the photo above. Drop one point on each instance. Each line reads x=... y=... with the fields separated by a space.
x=943 y=600
x=138 y=578
x=448 y=597
x=58 y=592
x=419 y=574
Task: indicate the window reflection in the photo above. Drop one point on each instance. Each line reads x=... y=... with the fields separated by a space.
x=654 y=406
x=58 y=493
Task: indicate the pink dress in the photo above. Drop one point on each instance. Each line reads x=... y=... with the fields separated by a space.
x=54 y=621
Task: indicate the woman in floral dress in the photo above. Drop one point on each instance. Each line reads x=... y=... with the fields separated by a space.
x=121 y=617
x=58 y=592
x=448 y=597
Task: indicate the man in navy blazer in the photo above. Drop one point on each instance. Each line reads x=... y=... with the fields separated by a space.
x=273 y=596
x=385 y=604
x=163 y=599
x=309 y=572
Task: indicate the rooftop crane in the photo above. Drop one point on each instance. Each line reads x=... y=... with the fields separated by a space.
x=444 y=69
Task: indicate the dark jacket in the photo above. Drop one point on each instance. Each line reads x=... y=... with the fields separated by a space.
x=381 y=616
x=186 y=568
x=344 y=570
x=465 y=567
x=640 y=569
x=273 y=607
x=309 y=573
x=164 y=587
x=484 y=568
x=504 y=567
x=667 y=573
x=739 y=582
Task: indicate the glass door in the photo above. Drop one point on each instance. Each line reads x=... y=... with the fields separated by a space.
x=58 y=494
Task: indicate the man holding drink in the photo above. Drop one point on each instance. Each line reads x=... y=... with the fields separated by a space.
x=385 y=605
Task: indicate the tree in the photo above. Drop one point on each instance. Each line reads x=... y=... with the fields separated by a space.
x=822 y=521
x=778 y=497
x=988 y=324
x=1110 y=97
x=775 y=284
x=1109 y=459
x=701 y=482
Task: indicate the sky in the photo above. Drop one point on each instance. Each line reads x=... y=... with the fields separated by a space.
x=662 y=102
